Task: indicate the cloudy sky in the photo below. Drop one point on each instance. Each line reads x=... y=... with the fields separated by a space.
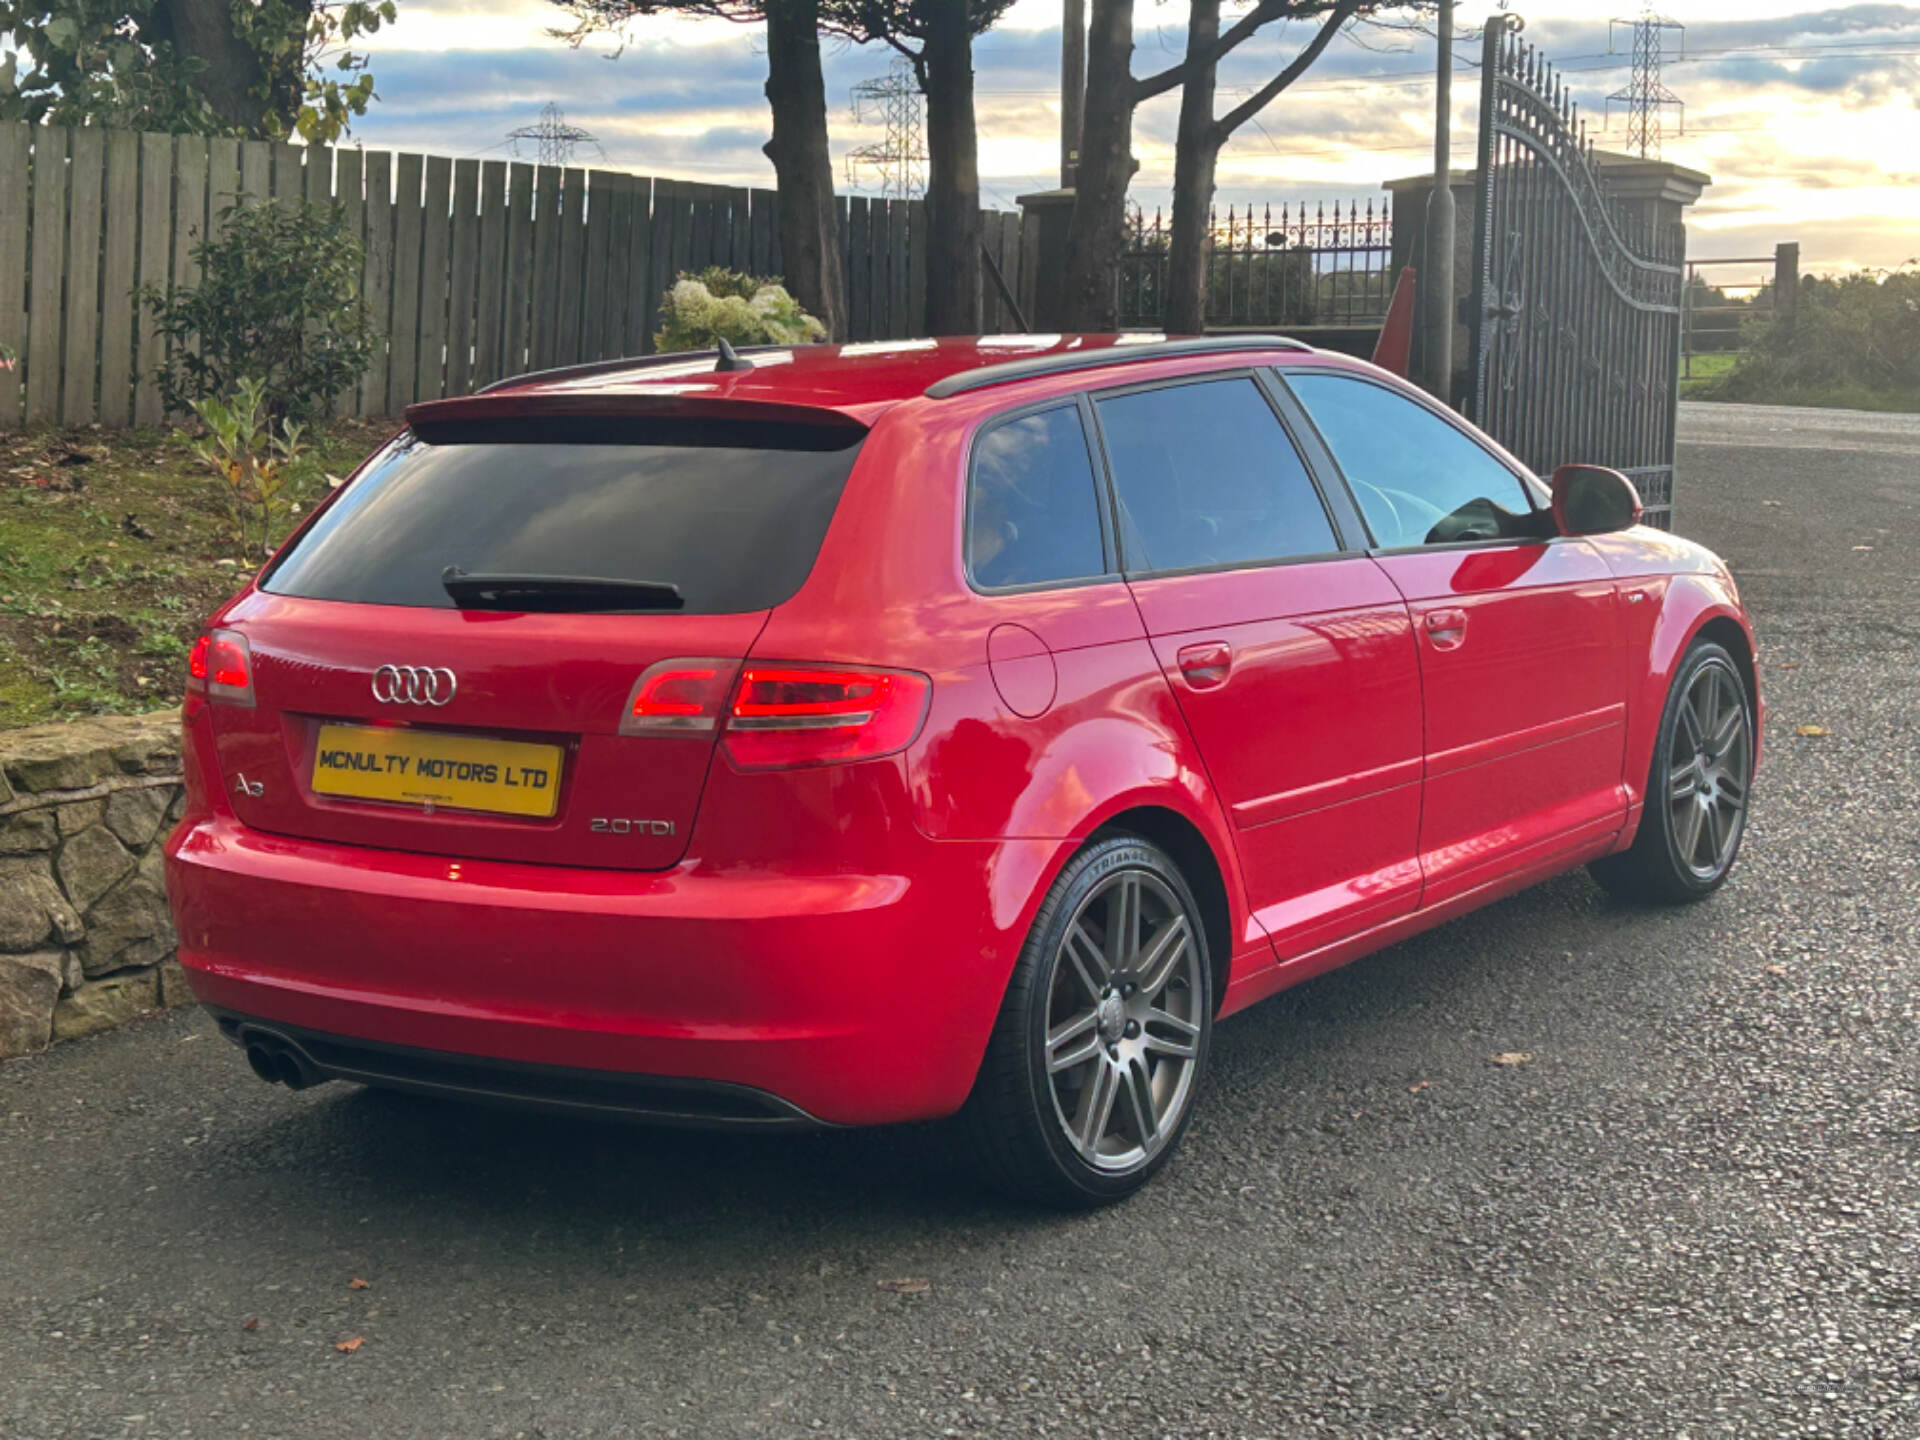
x=1805 y=116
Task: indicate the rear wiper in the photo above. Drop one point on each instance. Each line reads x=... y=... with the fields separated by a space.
x=557 y=594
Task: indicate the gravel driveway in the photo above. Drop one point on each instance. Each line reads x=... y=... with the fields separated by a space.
x=1695 y=1211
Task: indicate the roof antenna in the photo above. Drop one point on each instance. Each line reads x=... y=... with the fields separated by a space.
x=728 y=359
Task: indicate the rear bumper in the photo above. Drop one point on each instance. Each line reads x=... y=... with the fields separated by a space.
x=553 y=1089
x=849 y=998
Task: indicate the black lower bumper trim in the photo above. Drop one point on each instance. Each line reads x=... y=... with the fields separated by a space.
x=555 y=1089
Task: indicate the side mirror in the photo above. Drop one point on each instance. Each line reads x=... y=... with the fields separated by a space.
x=1593 y=500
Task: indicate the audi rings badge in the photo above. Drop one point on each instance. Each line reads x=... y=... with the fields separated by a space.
x=414 y=685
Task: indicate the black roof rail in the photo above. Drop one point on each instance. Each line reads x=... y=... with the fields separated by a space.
x=1065 y=360
x=631 y=362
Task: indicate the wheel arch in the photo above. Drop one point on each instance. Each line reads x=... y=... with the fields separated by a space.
x=1190 y=850
x=1725 y=631
x=1692 y=607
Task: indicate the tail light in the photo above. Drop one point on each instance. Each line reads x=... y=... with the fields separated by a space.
x=772 y=717
x=220 y=666
x=785 y=715
x=676 y=697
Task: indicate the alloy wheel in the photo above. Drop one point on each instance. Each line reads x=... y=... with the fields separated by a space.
x=1123 y=1021
x=1709 y=768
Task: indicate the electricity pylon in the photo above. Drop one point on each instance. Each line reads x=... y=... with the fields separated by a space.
x=897 y=163
x=1645 y=97
x=554 y=137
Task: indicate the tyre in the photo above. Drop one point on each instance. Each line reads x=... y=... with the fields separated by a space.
x=1095 y=1060
x=1697 y=790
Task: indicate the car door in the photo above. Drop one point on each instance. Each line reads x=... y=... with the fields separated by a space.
x=1292 y=656
x=1518 y=634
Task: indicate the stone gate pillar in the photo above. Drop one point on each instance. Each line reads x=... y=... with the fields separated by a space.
x=1654 y=193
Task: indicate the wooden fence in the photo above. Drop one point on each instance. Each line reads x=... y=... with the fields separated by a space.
x=475 y=269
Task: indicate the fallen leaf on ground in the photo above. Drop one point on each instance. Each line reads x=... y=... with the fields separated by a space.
x=358 y=1284
x=1511 y=1057
x=1417 y=1086
x=1776 y=969
x=252 y=1324
x=1811 y=731
x=906 y=1286
x=347 y=1347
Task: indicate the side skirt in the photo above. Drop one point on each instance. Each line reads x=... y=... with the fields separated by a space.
x=1251 y=989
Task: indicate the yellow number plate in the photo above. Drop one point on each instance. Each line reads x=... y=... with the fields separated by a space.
x=424 y=767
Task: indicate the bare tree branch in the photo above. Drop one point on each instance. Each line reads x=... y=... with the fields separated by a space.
x=1230 y=39
x=1261 y=98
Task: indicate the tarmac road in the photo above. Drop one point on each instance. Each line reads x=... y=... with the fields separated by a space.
x=1695 y=1212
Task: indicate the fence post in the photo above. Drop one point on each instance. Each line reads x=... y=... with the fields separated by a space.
x=15 y=169
x=49 y=267
x=1786 y=281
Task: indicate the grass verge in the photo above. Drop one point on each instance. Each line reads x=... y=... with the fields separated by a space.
x=113 y=549
x=1711 y=374
x=1707 y=371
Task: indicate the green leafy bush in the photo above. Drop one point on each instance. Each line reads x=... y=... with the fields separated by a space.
x=252 y=455
x=722 y=282
x=139 y=65
x=1855 y=342
x=279 y=300
x=714 y=304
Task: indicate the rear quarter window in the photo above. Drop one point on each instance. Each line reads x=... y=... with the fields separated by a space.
x=1033 y=505
x=733 y=516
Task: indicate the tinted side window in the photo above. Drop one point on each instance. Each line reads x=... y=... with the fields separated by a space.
x=1205 y=475
x=1033 y=507
x=1419 y=481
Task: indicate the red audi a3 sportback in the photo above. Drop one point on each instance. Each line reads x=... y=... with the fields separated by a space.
x=845 y=735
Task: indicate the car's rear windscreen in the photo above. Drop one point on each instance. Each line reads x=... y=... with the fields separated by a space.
x=731 y=515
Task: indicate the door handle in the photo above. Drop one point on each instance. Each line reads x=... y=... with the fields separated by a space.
x=1446 y=628
x=1206 y=666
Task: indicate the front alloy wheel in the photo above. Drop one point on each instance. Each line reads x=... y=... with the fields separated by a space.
x=1698 y=787
x=1090 y=1076
x=1709 y=764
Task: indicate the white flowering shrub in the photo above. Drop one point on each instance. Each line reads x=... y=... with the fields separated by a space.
x=715 y=304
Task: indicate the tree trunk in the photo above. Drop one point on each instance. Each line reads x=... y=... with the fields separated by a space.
x=810 y=249
x=953 y=177
x=1096 y=236
x=1196 y=150
x=234 y=83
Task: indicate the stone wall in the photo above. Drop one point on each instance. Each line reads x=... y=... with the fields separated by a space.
x=86 y=941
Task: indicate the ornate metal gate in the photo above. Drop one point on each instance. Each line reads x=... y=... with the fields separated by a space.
x=1575 y=314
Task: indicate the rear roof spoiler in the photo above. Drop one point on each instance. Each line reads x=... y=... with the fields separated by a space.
x=511 y=405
